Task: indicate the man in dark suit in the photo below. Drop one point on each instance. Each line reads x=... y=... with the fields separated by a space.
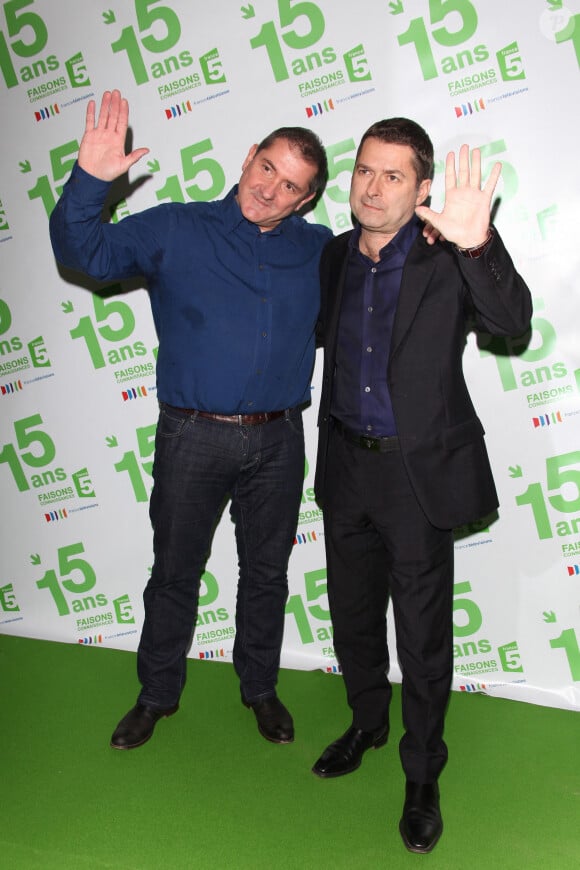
x=401 y=458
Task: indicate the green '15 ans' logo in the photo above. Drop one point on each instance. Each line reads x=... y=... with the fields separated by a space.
x=138 y=464
x=35 y=353
x=315 y=587
x=543 y=341
x=158 y=32
x=24 y=39
x=471 y=621
x=467 y=621
x=75 y=579
x=107 y=334
x=453 y=23
x=301 y=25
x=35 y=449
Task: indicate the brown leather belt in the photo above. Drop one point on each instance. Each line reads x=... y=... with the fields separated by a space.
x=238 y=419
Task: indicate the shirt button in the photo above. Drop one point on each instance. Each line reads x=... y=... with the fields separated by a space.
x=374 y=269
x=370 y=309
x=369 y=428
x=264 y=335
x=367 y=389
x=369 y=350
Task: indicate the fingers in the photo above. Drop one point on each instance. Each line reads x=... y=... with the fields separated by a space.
x=463 y=175
x=90 y=119
x=136 y=155
x=113 y=113
x=475 y=180
x=104 y=110
x=431 y=234
x=493 y=179
x=450 y=176
x=469 y=172
x=427 y=215
x=123 y=115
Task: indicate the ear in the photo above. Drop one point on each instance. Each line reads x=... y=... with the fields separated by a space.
x=306 y=199
x=250 y=157
x=423 y=191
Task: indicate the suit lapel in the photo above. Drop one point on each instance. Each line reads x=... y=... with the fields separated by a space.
x=335 y=292
x=417 y=272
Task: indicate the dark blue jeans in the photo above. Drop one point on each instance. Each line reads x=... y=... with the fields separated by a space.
x=198 y=465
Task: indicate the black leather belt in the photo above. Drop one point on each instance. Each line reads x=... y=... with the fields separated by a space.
x=238 y=419
x=385 y=444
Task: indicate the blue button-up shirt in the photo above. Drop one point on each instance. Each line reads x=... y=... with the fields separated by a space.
x=361 y=398
x=234 y=308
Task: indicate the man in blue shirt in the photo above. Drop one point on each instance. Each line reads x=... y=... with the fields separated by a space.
x=401 y=458
x=234 y=291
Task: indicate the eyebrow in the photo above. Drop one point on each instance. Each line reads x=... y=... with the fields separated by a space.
x=361 y=165
x=299 y=188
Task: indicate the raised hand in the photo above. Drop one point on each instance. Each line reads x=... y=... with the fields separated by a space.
x=102 y=149
x=464 y=219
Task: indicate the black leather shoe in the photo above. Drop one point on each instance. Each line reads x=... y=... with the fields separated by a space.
x=345 y=754
x=274 y=721
x=138 y=725
x=421 y=824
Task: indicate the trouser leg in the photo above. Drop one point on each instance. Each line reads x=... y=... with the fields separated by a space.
x=375 y=528
x=265 y=505
x=358 y=587
x=194 y=468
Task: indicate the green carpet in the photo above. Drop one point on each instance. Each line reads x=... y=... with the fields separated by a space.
x=208 y=792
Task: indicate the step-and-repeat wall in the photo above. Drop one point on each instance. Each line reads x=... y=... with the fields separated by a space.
x=78 y=405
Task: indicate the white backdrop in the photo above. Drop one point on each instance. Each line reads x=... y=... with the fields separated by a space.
x=77 y=370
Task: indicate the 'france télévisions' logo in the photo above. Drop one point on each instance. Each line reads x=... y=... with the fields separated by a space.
x=45 y=114
x=319 y=109
x=469 y=108
x=55 y=516
x=547 y=420
x=134 y=393
x=573 y=570
x=8 y=389
x=178 y=111
x=305 y=538
x=212 y=654
x=473 y=687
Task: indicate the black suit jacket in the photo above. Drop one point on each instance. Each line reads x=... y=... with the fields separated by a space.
x=441 y=437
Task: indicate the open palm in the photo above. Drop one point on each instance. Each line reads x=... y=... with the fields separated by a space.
x=464 y=219
x=102 y=149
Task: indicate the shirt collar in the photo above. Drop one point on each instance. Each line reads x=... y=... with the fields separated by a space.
x=400 y=243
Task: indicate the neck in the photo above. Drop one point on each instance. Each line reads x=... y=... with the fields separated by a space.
x=371 y=244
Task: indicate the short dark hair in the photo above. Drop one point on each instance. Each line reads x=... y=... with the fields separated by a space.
x=310 y=147
x=402 y=131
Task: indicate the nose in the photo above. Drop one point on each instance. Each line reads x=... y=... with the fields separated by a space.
x=373 y=186
x=268 y=189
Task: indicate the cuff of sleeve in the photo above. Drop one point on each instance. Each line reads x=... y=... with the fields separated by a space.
x=478 y=250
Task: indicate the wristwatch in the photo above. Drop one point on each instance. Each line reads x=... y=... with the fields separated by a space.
x=478 y=250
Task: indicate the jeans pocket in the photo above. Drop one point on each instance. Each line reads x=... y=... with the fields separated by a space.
x=295 y=422
x=171 y=423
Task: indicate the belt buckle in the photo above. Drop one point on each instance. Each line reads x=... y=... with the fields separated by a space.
x=370 y=443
